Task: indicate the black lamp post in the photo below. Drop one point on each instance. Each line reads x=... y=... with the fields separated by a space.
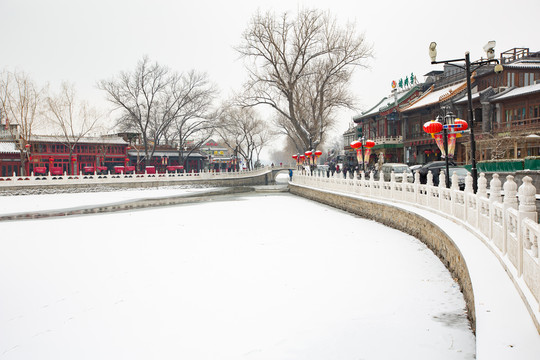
x=489 y=48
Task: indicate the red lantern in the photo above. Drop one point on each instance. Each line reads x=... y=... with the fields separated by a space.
x=460 y=125
x=318 y=153
x=433 y=127
x=74 y=159
x=128 y=148
x=27 y=146
x=308 y=153
x=295 y=157
x=302 y=157
x=51 y=160
x=356 y=144
x=369 y=144
x=126 y=160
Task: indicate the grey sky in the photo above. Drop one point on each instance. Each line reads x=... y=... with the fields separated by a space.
x=85 y=41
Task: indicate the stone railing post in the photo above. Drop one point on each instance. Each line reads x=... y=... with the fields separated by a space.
x=510 y=192
x=495 y=187
x=509 y=201
x=482 y=186
x=526 y=210
x=429 y=181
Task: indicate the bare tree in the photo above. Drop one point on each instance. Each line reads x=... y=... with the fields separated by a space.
x=243 y=131
x=74 y=118
x=302 y=69
x=21 y=101
x=150 y=99
x=194 y=124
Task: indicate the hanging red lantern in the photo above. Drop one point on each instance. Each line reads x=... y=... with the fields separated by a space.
x=433 y=127
x=74 y=158
x=302 y=157
x=27 y=146
x=126 y=160
x=318 y=153
x=460 y=125
x=356 y=144
x=128 y=148
x=295 y=157
x=369 y=144
x=308 y=153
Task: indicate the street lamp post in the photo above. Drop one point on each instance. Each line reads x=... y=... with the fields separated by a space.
x=489 y=48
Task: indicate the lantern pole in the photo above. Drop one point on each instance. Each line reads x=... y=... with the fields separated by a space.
x=445 y=139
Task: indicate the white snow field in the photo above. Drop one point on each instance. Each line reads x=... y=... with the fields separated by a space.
x=268 y=276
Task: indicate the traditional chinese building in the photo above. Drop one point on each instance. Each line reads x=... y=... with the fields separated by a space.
x=506 y=110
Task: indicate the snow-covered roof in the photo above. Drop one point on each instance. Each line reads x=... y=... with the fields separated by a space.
x=523 y=64
x=374 y=110
x=161 y=153
x=433 y=97
x=84 y=140
x=8 y=148
x=518 y=91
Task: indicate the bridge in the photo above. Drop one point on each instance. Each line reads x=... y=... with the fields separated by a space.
x=44 y=183
x=488 y=241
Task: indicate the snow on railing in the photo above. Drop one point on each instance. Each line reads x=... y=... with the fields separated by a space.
x=112 y=178
x=510 y=227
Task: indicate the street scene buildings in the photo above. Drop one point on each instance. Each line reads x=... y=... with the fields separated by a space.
x=506 y=108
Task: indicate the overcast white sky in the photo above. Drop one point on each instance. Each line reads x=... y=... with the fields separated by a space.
x=85 y=41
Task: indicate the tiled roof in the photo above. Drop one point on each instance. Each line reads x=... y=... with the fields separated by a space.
x=8 y=148
x=518 y=91
x=433 y=97
x=84 y=140
x=523 y=64
x=374 y=110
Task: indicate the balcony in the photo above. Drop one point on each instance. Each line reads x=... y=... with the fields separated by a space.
x=517 y=127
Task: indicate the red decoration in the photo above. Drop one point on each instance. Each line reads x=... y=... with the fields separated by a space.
x=128 y=148
x=126 y=160
x=318 y=153
x=302 y=157
x=356 y=144
x=461 y=125
x=433 y=127
x=74 y=159
x=27 y=146
x=295 y=157
x=308 y=153
x=369 y=144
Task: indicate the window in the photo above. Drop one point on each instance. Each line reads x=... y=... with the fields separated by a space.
x=510 y=79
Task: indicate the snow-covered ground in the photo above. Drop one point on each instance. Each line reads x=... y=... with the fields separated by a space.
x=251 y=277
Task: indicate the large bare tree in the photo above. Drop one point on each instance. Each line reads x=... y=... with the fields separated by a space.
x=302 y=68
x=151 y=99
x=21 y=103
x=72 y=117
x=243 y=131
x=194 y=124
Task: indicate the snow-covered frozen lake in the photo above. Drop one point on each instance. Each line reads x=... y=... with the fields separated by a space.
x=253 y=277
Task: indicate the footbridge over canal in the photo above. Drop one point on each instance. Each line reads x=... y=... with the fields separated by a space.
x=50 y=183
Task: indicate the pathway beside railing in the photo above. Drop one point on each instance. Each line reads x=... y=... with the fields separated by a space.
x=506 y=219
